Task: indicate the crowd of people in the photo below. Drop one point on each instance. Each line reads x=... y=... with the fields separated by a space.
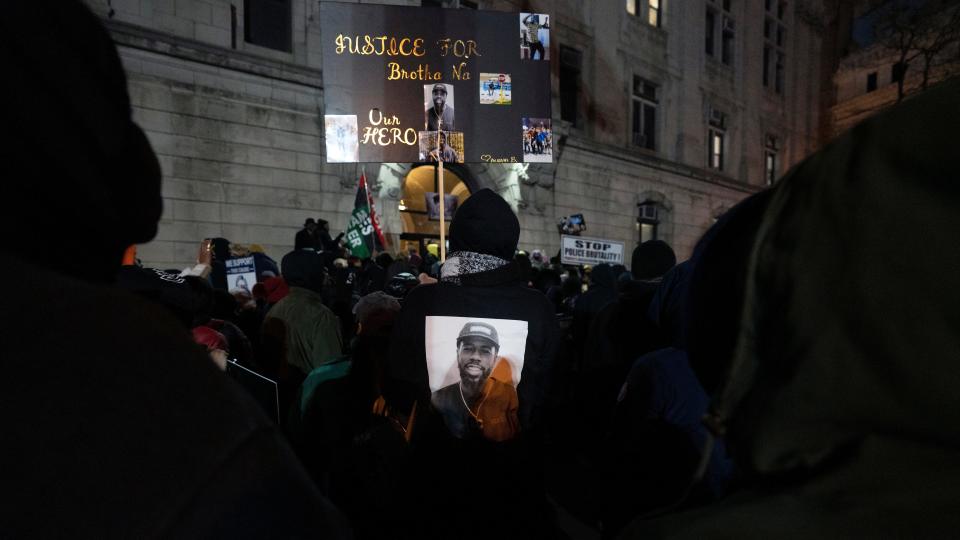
x=537 y=140
x=796 y=376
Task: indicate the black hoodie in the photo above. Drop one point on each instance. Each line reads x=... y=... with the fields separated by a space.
x=484 y=224
x=115 y=424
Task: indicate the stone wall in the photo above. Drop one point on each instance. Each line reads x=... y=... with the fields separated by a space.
x=238 y=128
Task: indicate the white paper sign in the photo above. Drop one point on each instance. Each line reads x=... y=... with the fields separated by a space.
x=582 y=250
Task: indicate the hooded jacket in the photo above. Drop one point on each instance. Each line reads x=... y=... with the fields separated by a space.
x=115 y=424
x=310 y=329
x=483 y=224
x=841 y=401
x=602 y=292
x=506 y=472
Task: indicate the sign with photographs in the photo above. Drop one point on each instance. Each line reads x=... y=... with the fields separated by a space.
x=576 y=250
x=474 y=367
x=574 y=224
x=241 y=274
x=433 y=205
x=417 y=84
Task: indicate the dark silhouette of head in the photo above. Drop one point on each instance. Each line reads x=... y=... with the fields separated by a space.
x=77 y=155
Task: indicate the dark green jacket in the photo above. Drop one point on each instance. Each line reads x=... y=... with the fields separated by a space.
x=312 y=330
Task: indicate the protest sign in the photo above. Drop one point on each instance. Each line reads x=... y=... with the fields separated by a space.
x=241 y=273
x=432 y=199
x=393 y=74
x=578 y=250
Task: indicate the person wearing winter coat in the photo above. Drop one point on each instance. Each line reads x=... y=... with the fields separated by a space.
x=839 y=400
x=479 y=283
x=116 y=425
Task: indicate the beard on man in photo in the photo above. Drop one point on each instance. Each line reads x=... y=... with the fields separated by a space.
x=440 y=115
x=478 y=404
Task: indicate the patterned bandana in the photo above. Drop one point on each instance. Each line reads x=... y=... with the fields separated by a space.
x=462 y=263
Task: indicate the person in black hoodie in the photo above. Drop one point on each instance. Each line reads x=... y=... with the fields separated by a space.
x=115 y=424
x=478 y=281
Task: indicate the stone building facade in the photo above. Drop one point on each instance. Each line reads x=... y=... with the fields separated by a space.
x=877 y=75
x=642 y=93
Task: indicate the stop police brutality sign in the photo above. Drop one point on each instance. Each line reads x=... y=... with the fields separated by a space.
x=582 y=250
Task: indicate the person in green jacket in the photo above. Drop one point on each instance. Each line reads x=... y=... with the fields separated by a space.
x=312 y=331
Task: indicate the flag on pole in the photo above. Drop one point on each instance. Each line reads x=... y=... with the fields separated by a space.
x=362 y=237
x=381 y=242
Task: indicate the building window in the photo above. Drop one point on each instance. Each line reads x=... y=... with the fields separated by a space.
x=726 y=48
x=770 y=151
x=774 y=45
x=778 y=80
x=648 y=220
x=268 y=23
x=653 y=10
x=716 y=149
x=716 y=135
x=570 y=62
x=644 y=103
x=653 y=13
x=718 y=13
x=711 y=22
x=871 y=81
x=897 y=71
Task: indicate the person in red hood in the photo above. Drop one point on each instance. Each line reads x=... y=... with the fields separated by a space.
x=215 y=343
x=275 y=289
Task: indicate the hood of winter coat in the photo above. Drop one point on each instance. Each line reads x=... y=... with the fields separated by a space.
x=77 y=165
x=850 y=324
x=303 y=268
x=602 y=276
x=485 y=224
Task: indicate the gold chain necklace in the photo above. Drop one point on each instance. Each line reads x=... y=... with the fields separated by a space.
x=477 y=415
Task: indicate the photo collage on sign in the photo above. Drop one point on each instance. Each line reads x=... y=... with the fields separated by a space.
x=495 y=89
x=468 y=104
x=439 y=141
x=537 y=140
x=536 y=136
x=340 y=131
x=534 y=36
x=432 y=199
x=474 y=366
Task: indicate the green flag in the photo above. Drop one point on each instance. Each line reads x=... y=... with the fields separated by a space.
x=360 y=239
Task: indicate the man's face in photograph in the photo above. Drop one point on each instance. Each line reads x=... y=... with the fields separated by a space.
x=475 y=357
x=439 y=97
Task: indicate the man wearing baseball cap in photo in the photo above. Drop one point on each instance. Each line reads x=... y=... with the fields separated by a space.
x=478 y=402
x=440 y=110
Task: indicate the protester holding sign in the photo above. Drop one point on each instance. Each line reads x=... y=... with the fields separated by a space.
x=480 y=292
